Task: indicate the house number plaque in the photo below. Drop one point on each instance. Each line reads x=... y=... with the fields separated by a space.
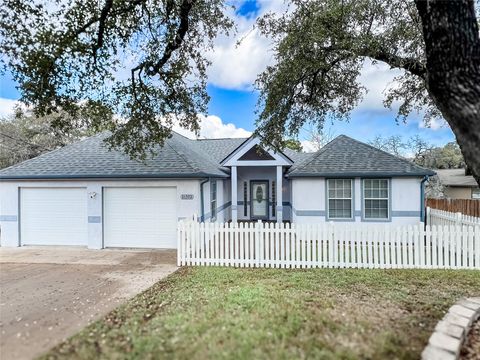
x=187 y=196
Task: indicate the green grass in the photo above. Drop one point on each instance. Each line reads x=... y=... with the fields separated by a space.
x=219 y=313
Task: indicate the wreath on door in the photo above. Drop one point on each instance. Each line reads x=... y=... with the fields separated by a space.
x=259 y=194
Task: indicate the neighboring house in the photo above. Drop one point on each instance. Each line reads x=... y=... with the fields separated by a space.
x=84 y=194
x=457 y=185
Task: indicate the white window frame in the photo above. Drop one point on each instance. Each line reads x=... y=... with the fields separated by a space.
x=364 y=200
x=476 y=194
x=213 y=201
x=351 y=198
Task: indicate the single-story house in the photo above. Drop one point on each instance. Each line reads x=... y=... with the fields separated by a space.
x=458 y=184
x=84 y=194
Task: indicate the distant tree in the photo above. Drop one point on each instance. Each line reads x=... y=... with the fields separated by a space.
x=293 y=144
x=141 y=61
x=419 y=148
x=319 y=137
x=393 y=144
x=421 y=152
x=446 y=157
x=321 y=47
x=434 y=188
x=24 y=136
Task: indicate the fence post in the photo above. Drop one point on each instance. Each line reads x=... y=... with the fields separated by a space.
x=458 y=218
x=257 y=243
x=179 y=243
x=427 y=219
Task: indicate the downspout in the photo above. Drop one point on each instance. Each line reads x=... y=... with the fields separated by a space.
x=202 y=210
x=422 y=198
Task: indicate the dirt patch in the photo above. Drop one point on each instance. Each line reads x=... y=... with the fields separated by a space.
x=42 y=303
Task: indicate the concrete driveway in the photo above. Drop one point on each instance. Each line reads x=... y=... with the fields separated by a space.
x=49 y=293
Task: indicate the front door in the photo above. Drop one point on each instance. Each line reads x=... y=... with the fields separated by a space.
x=259 y=200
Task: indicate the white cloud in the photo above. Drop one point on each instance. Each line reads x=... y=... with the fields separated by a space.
x=376 y=78
x=433 y=124
x=308 y=146
x=7 y=106
x=236 y=66
x=212 y=127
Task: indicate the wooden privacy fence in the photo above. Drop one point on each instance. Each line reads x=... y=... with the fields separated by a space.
x=328 y=245
x=465 y=206
x=441 y=217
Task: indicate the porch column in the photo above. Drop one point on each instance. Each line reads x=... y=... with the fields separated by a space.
x=233 y=176
x=279 y=194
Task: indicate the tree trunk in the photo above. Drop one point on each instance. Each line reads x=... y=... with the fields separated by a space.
x=452 y=42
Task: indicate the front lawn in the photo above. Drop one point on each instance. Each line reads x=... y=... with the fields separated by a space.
x=267 y=313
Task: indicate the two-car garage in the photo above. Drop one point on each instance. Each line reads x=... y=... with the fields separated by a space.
x=137 y=217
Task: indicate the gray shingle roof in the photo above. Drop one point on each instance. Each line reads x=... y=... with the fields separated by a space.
x=218 y=149
x=91 y=158
x=344 y=156
x=182 y=157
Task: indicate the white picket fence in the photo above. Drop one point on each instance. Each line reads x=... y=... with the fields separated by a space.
x=328 y=245
x=441 y=217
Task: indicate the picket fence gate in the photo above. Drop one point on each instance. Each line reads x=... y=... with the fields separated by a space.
x=442 y=217
x=328 y=245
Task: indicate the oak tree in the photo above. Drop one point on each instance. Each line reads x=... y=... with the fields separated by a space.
x=321 y=47
x=135 y=66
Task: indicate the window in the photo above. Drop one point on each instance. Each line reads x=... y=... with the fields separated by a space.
x=476 y=194
x=245 y=199
x=376 y=198
x=274 y=199
x=213 y=199
x=339 y=198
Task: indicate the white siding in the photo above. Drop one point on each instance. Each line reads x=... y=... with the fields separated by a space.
x=9 y=205
x=406 y=200
x=308 y=200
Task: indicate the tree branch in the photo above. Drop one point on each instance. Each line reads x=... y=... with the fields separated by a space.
x=96 y=19
x=412 y=65
x=101 y=27
x=177 y=40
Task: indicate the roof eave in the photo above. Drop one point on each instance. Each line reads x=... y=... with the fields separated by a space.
x=198 y=175
x=360 y=174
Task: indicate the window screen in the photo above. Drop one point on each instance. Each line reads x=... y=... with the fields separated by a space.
x=213 y=199
x=376 y=198
x=339 y=198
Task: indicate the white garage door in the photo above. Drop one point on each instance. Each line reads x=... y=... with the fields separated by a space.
x=53 y=216
x=140 y=217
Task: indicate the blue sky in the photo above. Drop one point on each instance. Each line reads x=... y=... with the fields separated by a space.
x=233 y=99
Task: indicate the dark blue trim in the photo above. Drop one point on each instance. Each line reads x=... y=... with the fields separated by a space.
x=284 y=203
x=308 y=212
x=8 y=218
x=422 y=198
x=406 y=213
x=360 y=174
x=221 y=208
x=199 y=175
